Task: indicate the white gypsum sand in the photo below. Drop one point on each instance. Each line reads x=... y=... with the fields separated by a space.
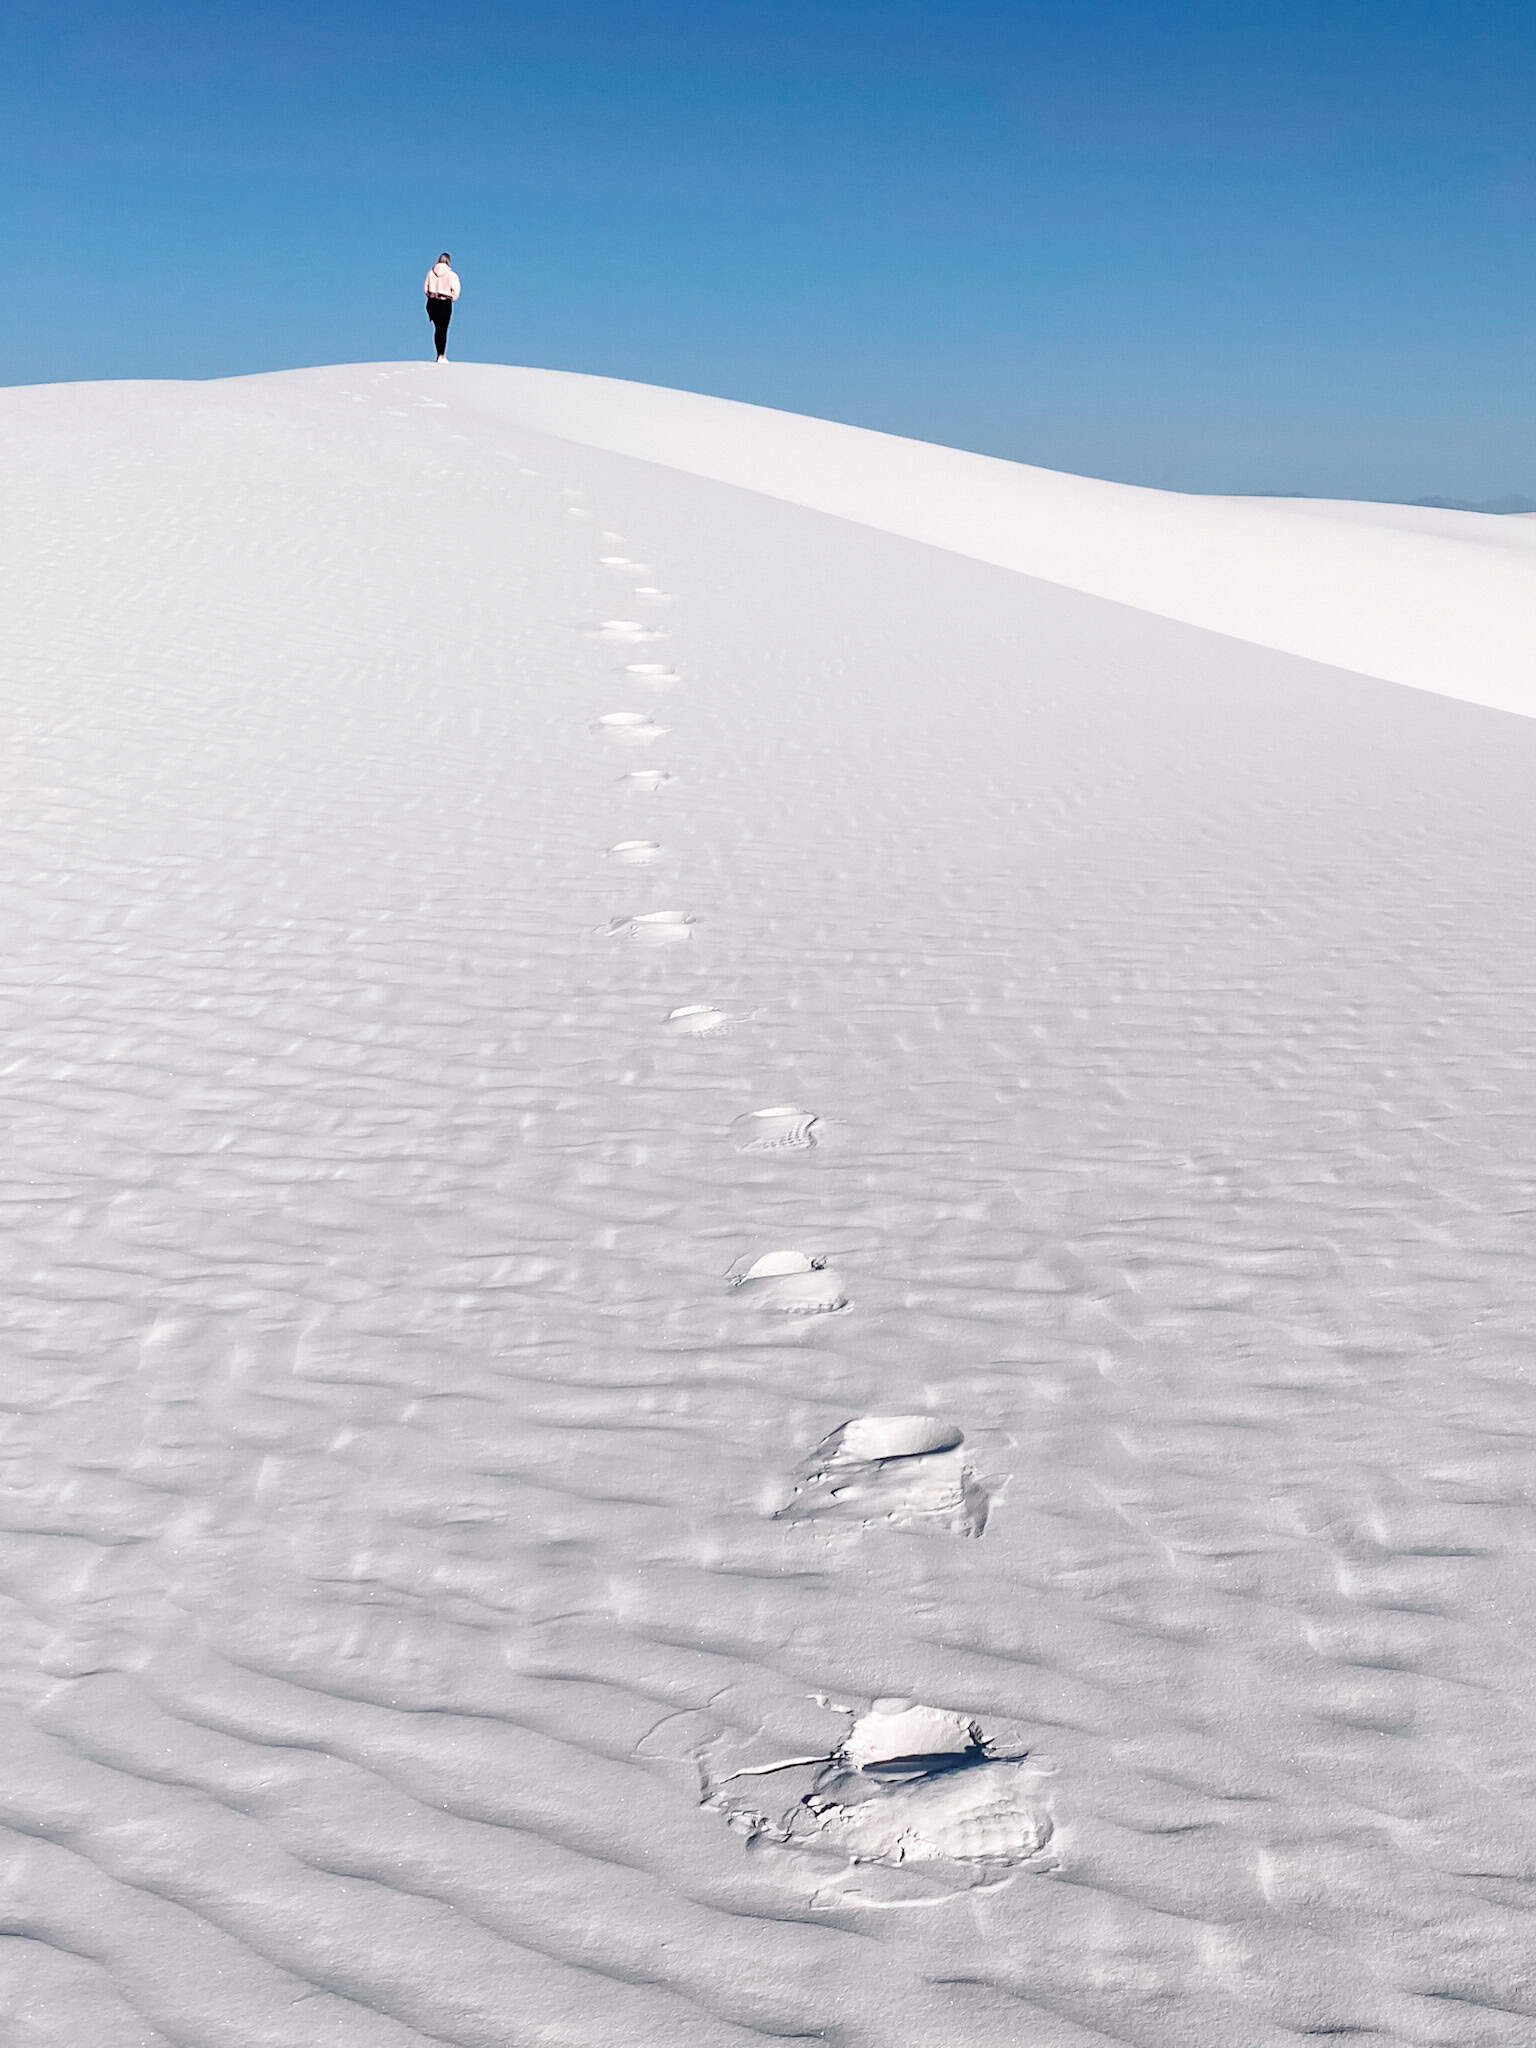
x=1074 y=1591
x=1445 y=601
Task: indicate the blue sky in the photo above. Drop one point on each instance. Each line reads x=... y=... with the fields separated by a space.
x=1207 y=246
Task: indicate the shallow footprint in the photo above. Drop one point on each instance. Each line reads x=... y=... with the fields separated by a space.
x=648 y=779
x=653 y=928
x=792 y=1283
x=696 y=1020
x=628 y=728
x=633 y=630
x=656 y=674
x=780 y=1129
x=635 y=853
x=907 y=1470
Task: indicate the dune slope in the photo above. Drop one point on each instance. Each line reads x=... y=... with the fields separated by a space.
x=761 y=1284
x=1443 y=601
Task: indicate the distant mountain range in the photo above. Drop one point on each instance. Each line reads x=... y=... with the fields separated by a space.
x=1513 y=502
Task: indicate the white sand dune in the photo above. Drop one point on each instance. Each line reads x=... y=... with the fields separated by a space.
x=1368 y=587
x=848 y=1360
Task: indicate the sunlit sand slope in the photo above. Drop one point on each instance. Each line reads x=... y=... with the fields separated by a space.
x=760 y=1284
x=1445 y=601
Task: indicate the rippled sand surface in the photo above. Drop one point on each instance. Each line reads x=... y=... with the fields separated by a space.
x=570 y=1282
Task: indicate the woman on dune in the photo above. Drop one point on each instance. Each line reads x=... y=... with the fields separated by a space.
x=442 y=289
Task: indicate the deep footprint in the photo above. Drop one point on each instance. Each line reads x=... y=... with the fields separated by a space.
x=915 y=1791
x=905 y=1470
x=790 y=1283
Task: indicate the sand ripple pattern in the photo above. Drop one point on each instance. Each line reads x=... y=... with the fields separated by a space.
x=390 y=1519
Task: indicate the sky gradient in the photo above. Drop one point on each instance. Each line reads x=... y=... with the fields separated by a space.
x=1209 y=247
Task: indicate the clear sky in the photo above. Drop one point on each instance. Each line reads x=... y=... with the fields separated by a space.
x=1223 y=245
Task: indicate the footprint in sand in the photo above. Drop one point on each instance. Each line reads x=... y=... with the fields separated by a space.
x=631 y=630
x=914 y=1803
x=635 y=853
x=696 y=1020
x=628 y=728
x=907 y=1470
x=780 y=1129
x=919 y=1785
x=656 y=675
x=653 y=928
x=790 y=1283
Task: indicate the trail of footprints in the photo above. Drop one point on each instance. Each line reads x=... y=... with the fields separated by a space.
x=915 y=1792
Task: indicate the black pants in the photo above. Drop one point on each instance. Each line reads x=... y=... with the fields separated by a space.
x=440 y=312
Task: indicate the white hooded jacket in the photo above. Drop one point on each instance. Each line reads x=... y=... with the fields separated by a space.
x=442 y=282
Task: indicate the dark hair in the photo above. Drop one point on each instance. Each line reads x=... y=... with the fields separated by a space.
x=445 y=257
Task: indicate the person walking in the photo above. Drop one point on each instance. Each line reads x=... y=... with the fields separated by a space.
x=442 y=289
